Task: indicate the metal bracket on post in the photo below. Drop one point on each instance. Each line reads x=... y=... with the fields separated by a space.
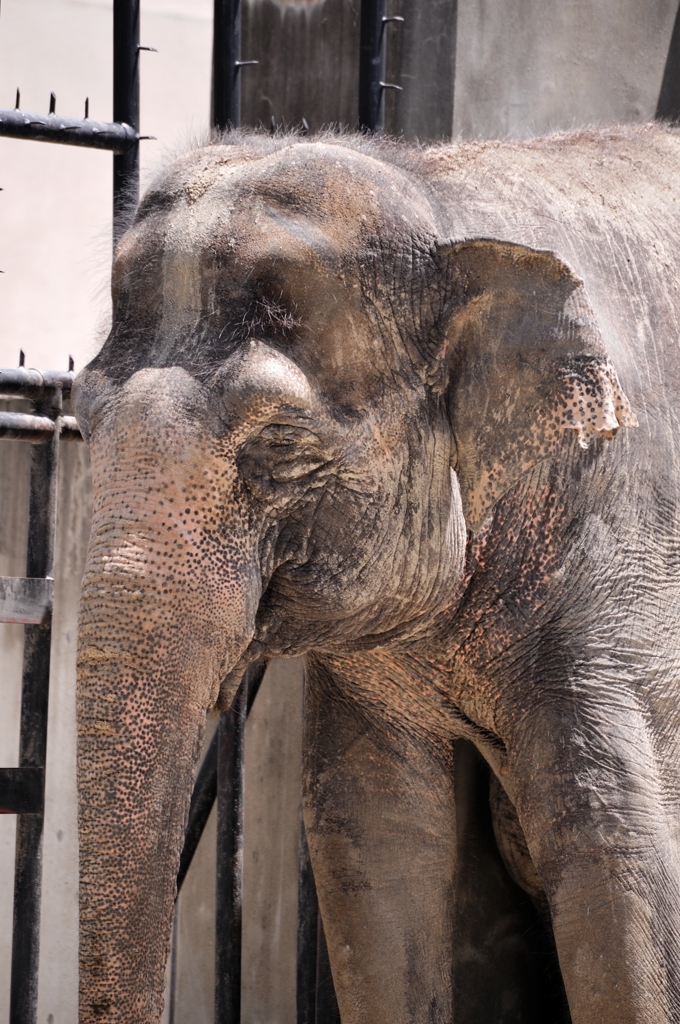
x=226 y=67
x=372 y=65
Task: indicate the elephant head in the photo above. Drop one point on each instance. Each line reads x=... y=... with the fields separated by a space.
x=306 y=397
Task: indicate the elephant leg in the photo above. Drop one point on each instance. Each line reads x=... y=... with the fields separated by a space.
x=419 y=909
x=380 y=817
x=585 y=778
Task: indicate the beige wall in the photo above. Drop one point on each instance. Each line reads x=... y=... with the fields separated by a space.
x=55 y=210
x=526 y=67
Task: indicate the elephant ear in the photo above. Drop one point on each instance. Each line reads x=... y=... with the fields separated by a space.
x=526 y=362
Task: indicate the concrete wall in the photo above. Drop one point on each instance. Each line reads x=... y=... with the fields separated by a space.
x=475 y=68
x=531 y=66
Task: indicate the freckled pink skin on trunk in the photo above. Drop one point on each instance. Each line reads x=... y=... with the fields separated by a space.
x=167 y=608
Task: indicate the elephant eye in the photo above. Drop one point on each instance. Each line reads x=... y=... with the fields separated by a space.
x=280 y=453
x=282 y=435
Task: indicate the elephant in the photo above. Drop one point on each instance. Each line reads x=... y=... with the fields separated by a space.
x=408 y=412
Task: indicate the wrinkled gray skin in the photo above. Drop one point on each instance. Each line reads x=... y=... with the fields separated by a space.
x=360 y=402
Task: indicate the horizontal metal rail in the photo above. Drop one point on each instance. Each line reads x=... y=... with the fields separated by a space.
x=28 y=383
x=21 y=426
x=26 y=600
x=112 y=136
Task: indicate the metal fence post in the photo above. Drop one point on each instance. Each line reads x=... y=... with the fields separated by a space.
x=229 y=904
x=374 y=22
x=125 y=107
x=307 y=935
x=229 y=897
x=33 y=737
x=226 y=85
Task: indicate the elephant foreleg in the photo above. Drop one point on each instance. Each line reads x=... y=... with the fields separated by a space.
x=586 y=781
x=380 y=818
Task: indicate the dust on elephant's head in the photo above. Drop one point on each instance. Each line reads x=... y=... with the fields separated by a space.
x=368 y=387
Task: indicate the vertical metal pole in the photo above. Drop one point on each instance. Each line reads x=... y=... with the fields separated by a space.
x=226 y=78
x=371 y=65
x=229 y=906
x=307 y=935
x=229 y=900
x=33 y=739
x=125 y=107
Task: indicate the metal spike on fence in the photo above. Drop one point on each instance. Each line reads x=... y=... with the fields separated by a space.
x=18 y=100
x=53 y=103
x=71 y=364
x=22 y=357
x=87 y=107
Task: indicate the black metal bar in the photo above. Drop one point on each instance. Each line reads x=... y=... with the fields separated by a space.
x=226 y=70
x=307 y=935
x=33 y=736
x=68 y=131
x=21 y=426
x=25 y=600
x=371 y=65
x=21 y=790
x=125 y=108
x=229 y=902
x=25 y=383
x=205 y=787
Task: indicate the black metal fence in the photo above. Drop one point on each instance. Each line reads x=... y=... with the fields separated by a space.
x=28 y=599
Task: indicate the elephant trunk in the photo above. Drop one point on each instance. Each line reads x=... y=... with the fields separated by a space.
x=163 y=619
x=136 y=749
